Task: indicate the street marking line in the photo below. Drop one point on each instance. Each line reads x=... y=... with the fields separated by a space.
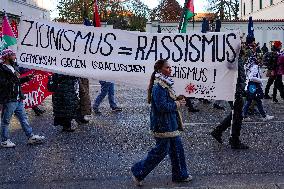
x=214 y=123
x=95 y=85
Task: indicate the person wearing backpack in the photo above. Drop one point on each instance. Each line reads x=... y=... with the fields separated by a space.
x=254 y=88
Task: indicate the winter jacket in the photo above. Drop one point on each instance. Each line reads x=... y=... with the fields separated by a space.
x=85 y=101
x=280 y=65
x=270 y=60
x=241 y=81
x=66 y=98
x=253 y=71
x=164 y=111
x=254 y=74
x=10 y=85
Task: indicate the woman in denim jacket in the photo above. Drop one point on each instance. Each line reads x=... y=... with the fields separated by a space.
x=165 y=126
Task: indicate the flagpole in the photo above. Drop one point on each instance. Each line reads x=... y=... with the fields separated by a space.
x=193 y=14
x=193 y=21
x=182 y=17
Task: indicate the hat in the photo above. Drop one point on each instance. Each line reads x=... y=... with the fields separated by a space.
x=7 y=52
x=277 y=44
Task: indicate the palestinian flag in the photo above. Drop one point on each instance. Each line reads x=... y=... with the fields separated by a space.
x=188 y=13
x=8 y=36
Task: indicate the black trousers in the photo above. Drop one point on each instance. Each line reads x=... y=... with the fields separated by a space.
x=268 y=85
x=189 y=103
x=63 y=121
x=278 y=85
x=237 y=119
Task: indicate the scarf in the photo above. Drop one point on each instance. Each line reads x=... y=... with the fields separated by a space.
x=164 y=78
x=166 y=82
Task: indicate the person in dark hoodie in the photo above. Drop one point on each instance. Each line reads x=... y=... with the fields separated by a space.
x=11 y=98
x=237 y=107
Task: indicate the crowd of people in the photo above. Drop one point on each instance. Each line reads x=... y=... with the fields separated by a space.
x=71 y=102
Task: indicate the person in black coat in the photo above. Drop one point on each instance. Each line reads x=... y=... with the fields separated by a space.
x=65 y=101
x=234 y=120
x=264 y=49
x=11 y=100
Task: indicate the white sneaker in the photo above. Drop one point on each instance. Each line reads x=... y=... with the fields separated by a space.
x=74 y=124
x=246 y=119
x=267 y=118
x=188 y=179
x=36 y=139
x=136 y=181
x=88 y=117
x=8 y=144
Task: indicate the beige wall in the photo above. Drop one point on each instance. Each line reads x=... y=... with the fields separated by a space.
x=29 y=8
x=265 y=32
x=267 y=12
x=44 y=4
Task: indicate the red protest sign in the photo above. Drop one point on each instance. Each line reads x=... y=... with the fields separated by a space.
x=35 y=90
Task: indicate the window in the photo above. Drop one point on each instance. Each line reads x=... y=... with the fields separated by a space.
x=244 y=9
x=271 y=2
x=260 y=4
x=251 y=9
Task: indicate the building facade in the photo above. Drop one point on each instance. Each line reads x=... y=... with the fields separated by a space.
x=31 y=8
x=265 y=31
x=262 y=9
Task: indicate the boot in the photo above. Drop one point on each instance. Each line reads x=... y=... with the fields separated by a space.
x=190 y=106
x=217 y=136
x=82 y=120
x=266 y=95
x=218 y=107
x=68 y=129
x=38 y=111
x=237 y=144
x=274 y=95
x=193 y=109
x=67 y=126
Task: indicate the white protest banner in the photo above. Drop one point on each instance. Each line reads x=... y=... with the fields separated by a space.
x=203 y=65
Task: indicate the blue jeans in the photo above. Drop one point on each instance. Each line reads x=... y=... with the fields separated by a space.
x=259 y=106
x=8 y=110
x=107 y=88
x=164 y=146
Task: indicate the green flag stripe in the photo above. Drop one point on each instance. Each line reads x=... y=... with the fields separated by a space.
x=187 y=15
x=9 y=40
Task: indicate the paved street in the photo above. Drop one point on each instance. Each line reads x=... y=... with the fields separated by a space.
x=100 y=154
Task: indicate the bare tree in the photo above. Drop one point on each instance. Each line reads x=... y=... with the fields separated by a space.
x=224 y=9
